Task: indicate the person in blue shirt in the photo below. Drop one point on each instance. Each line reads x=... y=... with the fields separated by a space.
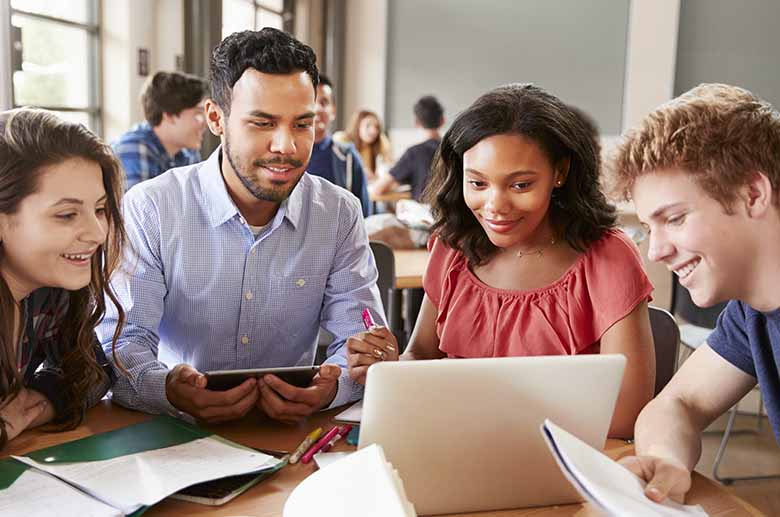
x=173 y=131
x=240 y=259
x=704 y=174
x=339 y=163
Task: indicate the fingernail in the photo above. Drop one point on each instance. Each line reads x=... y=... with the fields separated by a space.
x=390 y=348
x=654 y=491
x=377 y=352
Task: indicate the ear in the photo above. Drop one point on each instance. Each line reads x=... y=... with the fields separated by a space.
x=757 y=195
x=214 y=117
x=562 y=171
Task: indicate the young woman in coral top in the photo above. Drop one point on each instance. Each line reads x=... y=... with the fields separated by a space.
x=526 y=258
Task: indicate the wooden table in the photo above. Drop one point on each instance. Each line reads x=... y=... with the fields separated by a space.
x=409 y=267
x=393 y=195
x=267 y=499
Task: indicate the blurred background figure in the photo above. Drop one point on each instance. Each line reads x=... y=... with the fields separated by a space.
x=366 y=133
x=414 y=165
x=173 y=131
x=336 y=162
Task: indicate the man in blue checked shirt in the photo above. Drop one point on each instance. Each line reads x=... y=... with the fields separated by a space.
x=237 y=261
x=173 y=131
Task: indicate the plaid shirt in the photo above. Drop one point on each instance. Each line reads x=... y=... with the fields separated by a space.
x=42 y=350
x=143 y=155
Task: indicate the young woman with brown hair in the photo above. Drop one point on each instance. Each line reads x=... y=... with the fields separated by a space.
x=61 y=237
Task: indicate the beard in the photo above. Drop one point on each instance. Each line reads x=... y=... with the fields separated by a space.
x=277 y=192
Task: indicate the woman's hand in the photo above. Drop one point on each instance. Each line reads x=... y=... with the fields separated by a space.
x=27 y=409
x=364 y=349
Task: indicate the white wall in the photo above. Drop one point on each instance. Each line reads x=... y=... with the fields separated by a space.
x=127 y=26
x=365 y=57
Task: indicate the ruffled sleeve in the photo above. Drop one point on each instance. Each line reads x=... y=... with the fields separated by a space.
x=610 y=284
x=440 y=263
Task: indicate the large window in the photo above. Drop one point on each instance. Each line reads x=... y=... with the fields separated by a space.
x=55 y=49
x=240 y=15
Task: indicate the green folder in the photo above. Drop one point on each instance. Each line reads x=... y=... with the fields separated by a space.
x=157 y=433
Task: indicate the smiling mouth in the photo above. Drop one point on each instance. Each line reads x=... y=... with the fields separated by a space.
x=687 y=268
x=78 y=258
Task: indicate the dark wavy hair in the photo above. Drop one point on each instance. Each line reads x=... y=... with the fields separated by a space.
x=579 y=211
x=270 y=51
x=30 y=140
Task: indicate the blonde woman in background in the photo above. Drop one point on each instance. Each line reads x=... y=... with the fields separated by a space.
x=365 y=131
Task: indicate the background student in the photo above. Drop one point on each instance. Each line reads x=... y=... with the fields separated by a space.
x=336 y=162
x=702 y=167
x=365 y=132
x=526 y=259
x=61 y=237
x=173 y=131
x=413 y=168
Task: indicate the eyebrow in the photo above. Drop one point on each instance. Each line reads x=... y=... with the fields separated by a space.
x=74 y=201
x=516 y=173
x=263 y=114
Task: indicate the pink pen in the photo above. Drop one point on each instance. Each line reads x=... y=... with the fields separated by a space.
x=368 y=321
x=306 y=458
x=344 y=431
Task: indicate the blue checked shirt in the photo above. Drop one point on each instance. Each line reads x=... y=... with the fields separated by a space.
x=143 y=155
x=203 y=290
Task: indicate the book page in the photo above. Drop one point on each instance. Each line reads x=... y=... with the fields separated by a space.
x=142 y=479
x=37 y=494
x=604 y=482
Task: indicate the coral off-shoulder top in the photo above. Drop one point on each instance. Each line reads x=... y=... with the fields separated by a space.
x=568 y=316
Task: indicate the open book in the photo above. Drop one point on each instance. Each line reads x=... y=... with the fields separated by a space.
x=605 y=483
x=362 y=483
x=122 y=471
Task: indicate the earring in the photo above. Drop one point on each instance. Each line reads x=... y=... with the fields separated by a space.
x=558 y=183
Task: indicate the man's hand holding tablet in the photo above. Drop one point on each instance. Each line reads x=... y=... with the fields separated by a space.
x=287 y=403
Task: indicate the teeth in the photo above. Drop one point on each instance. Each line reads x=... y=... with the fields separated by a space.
x=686 y=270
x=75 y=257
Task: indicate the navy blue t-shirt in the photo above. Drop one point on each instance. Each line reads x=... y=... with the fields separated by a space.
x=414 y=165
x=750 y=340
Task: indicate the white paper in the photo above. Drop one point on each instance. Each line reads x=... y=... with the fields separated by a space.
x=352 y=414
x=324 y=459
x=363 y=483
x=142 y=479
x=37 y=494
x=604 y=482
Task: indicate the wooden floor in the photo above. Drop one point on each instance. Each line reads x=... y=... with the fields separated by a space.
x=746 y=454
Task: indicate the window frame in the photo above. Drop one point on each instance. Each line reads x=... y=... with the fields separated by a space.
x=94 y=62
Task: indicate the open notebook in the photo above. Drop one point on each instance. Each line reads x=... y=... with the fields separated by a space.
x=603 y=481
x=362 y=483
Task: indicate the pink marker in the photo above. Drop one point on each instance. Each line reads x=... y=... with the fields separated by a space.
x=344 y=431
x=306 y=458
x=368 y=321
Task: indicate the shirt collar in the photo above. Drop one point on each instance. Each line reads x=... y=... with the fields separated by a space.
x=324 y=143
x=221 y=207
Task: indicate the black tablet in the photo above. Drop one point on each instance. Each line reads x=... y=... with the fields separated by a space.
x=221 y=380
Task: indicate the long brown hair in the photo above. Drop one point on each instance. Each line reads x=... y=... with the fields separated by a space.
x=30 y=140
x=375 y=147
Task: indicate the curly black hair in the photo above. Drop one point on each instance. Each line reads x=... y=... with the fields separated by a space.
x=579 y=211
x=269 y=50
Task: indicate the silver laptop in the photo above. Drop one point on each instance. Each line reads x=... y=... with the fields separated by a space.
x=464 y=434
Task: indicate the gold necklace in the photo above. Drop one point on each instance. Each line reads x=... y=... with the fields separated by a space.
x=538 y=251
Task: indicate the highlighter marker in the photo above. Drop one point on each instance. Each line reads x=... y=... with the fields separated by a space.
x=305 y=444
x=368 y=321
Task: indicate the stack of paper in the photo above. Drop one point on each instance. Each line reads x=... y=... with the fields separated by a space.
x=363 y=483
x=604 y=482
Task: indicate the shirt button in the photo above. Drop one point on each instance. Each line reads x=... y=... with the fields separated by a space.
x=249 y=295
x=245 y=340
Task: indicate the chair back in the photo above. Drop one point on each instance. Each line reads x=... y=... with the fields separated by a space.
x=666 y=336
x=683 y=306
x=385 y=264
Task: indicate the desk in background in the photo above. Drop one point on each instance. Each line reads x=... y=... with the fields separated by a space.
x=267 y=499
x=389 y=197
